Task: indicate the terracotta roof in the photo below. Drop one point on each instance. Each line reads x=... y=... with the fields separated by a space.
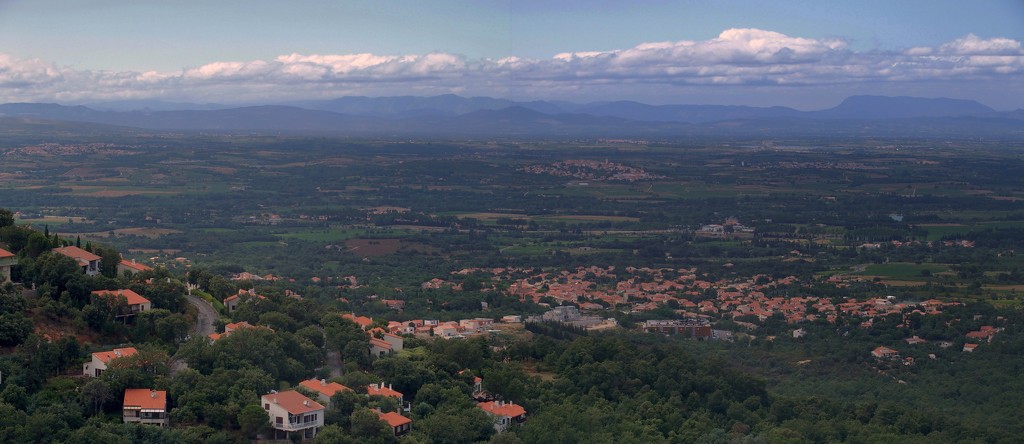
x=77 y=254
x=394 y=419
x=363 y=321
x=106 y=356
x=381 y=390
x=145 y=399
x=500 y=408
x=132 y=297
x=135 y=265
x=292 y=401
x=380 y=343
x=324 y=387
x=5 y=253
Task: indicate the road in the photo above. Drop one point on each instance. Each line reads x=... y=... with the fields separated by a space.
x=204 y=326
x=207 y=315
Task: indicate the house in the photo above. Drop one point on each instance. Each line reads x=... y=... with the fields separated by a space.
x=505 y=414
x=363 y=321
x=126 y=268
x=885 y=353
x=145 y=406
x=969 y=348
x=325 y=390
x=234 y=326
x=7 y=260
x=231 y=302
x=292 y=412
x=381 y=390
x=89 y=262
x=101 y=360
x=379 y=347
x=397 y=343
x=136 y=303
x=399 y=424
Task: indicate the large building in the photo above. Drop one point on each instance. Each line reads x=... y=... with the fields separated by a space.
x=90 y=263
x=505 y=414
x=145 y=406
x=292 y=412
x=101 y=360
x=136 y=303
x=690 y=327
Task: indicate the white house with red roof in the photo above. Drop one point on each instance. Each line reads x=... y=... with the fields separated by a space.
x=399 y=424
x=145 y=406
x=128 y=268
x=231 y=302
x=89 y=262
x=136 y=303
x=7 y=260
x=100 y=360
x=324 y=390
x=292 y=412
x=883 y=352
x=505 y=414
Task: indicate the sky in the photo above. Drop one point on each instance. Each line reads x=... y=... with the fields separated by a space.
x=797 y=53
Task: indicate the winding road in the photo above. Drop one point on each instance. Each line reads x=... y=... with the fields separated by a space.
x=207 y=315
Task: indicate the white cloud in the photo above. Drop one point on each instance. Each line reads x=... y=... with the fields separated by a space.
x=751 y=58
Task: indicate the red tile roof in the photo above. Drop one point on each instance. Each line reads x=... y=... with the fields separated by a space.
x=326 y=388
x=380 y=343
x=134 y=265
x=77 y=254
x=381 y=390
x=394 y=419
x=132 y=297
x=363 y=321
x=500 y=408
x=145 y=399
x=292 y=401
x=5 y=253
x=106 y=356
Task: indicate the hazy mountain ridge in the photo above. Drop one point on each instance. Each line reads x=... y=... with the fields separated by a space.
x=452 y=115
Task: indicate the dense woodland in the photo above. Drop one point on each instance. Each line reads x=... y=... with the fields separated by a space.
x=394 y=215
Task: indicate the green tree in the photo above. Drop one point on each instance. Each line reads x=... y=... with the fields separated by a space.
x=251 y=419
x=6 y=218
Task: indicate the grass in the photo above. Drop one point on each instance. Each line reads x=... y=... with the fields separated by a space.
x=903 y=270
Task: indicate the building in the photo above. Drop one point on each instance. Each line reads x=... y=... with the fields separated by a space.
x=363 y=321
x=126 y=268
x=505 y=414
x=100 y=360
x=399 y=424
x=145 y=406
x=324 y=390
x=89 y=262
x=379 y=347
x=7 y=260
x=231 y=302
x=292 y=412
x=692 y=327
x=136 y=303
x=885 y=353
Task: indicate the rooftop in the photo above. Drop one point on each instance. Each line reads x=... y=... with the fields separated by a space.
x=132 y=297
x=106 y=356
x=324 y=387
x=292 y=401
x=145 y=399
x=77 y=254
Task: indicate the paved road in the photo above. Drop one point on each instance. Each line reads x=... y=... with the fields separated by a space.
x=207 y=315
x=334 y=362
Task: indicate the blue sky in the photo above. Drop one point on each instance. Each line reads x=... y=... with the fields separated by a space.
x=806 y=54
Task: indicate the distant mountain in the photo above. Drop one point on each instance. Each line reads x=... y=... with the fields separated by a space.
x=153 y=105
x=686 y=113
x=880 y=107
x=454 y=116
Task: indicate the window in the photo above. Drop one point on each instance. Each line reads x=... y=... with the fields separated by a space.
x=266 y=406
x=280 y=420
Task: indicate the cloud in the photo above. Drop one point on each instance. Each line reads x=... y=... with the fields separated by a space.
x=749 y=58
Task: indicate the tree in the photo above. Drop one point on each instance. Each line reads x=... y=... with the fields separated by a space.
x=6 y=218
x=368 y=427
x=95 y=393
x=251 y=419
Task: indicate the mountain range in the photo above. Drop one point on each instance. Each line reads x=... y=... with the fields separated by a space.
x=452 y=115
